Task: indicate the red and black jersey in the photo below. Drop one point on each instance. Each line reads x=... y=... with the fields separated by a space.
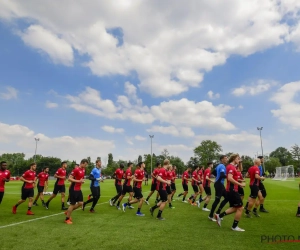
x=3 y=175
x=185 y=175
x=174 y=175
x=139 y=174
x=200 y=174
x=119 y=176
x=206 y=183
x=169 y=176
x=196 y=177
x=162 y=174
x=231 y=169
x=63 y=173
x=43 y=177
x=78 y=174
x=252 y=171
x=155 y=173
x=29 y=175
x=240 y=176
x=128 y=173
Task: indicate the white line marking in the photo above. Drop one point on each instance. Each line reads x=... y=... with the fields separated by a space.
x=40 y=218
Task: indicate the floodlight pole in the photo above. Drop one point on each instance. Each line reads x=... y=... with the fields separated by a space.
x=262 y=150
x=36 y=141
x=151 y=137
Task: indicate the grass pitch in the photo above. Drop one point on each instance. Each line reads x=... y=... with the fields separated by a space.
x=185 y=227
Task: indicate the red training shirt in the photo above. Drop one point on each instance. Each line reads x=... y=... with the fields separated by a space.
x=119 y=175
x=139 y=174
x=163 y=174
x=128 y=173
x=231 y=169
x=195 y=176
x=185 y=175
x=29 y=175
x=155 y=173
x=43 y=177
x=61 y=172
x=174 y=176
x=78 y=174
x=206 y=183
x=3 y=175
x=252 y=171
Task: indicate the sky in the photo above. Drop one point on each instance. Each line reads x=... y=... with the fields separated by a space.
x=94 y=78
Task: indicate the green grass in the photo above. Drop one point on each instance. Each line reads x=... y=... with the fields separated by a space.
x=184 y=227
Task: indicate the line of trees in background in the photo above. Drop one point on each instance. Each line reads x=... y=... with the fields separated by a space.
x=207 y=151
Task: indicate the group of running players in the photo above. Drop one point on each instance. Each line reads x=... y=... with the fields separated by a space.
x=163 y=181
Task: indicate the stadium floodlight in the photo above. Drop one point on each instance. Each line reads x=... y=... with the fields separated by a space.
x=151 y=137
x=36 y=141
x=262 y=150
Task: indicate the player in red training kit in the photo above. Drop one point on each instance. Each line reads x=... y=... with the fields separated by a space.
x=206 y=184
x=76 y=198
x=255 y=178
x=4 y=177
x=236 y=204
x=29 y=178
x=162 y=183
x=43 y=181
x=127 y=188
x=154 y=184
x=139 y=176
x=185 y=180
x=59 y=185
x=118 y=176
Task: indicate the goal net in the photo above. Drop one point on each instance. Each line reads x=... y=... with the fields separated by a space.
x=284 y=173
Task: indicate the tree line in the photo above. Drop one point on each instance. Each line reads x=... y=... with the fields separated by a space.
x=207 y=151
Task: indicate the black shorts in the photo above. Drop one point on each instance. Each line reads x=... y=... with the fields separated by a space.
x=173 y=186
x=1 y=196
x=119 y=188
x=27 y=193
x=153 y=187
x=138 y=193
x=185 y=187
x=234 y=199
x=168 y=189
x=220 y=190
x=241 y=191
x=195 y=188
x=40 y=189
x=163 y=195
x=59 y=189
x=95 y=191
x=199 y=183
x=126 y=189
x=254 y=191
x=75 y=196
x=262 y=189
x=207 y=191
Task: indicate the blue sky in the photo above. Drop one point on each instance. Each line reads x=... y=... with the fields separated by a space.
x=99 y=85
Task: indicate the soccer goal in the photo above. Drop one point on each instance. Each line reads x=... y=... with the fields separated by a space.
x=284 y=173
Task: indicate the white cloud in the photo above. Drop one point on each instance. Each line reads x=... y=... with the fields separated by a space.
x=171 y=52
x=213 y=96
x=112 y=130
x=10 y=93
x=240 y=106
x=233 y=142
x=51 y=105
x=289 y=107
x=254 y=88
x=182 y=113
x=18 y=138
x=44 y=40
x=140 y=138
x=172 y=130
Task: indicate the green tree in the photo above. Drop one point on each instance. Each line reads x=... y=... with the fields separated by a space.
x=247 y=162
x=110 y=160
x=285 y=157
x=208 y=151
x=193 y=161
x=295 y=151
x=271 y=164
x=176 y=161
x=165 y=153
x=140 y=158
